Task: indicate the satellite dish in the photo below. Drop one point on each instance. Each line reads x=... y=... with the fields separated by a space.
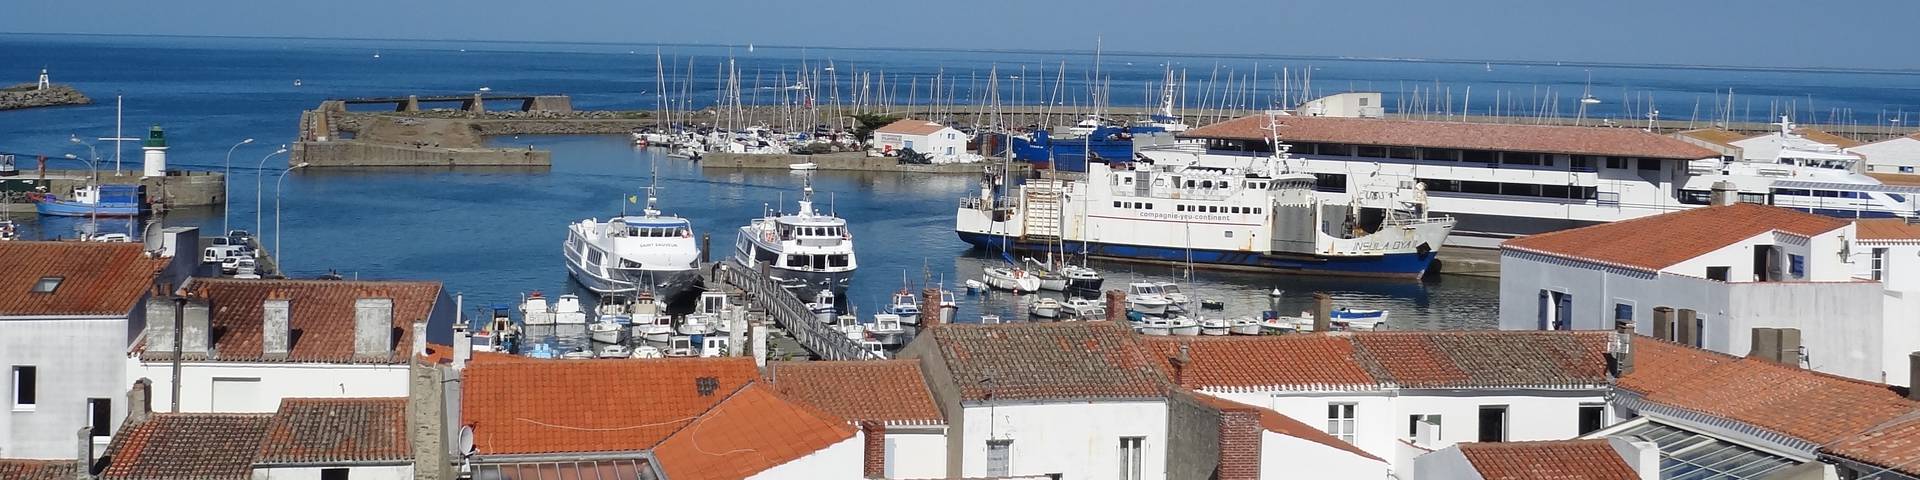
x=466 y=441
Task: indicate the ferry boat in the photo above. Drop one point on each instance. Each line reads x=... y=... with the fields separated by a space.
x=93 y=201
x=1501 y=181
x=650 y=252
x=805 y=251
x=1240 y=213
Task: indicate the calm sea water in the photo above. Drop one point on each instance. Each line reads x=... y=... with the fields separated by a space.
x=494 y=234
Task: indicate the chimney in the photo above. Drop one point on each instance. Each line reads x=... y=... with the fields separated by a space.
x=160 y=322
x=1913 y=376
x=276 y=313
x=84 y=452
x=462 y=345
x=1180 y=364
x=1239 y=444
x=1322 y=312
x=736 y=318
x=373 y=328
x=759 y=340
x=1724 y=193
x=419 y=333
x=1689 y=327
x=875 y=464
x=196 y=329
x=1116 y=306
x=1620 y=354
x=1663 y=323
x=930 y=312
x=1766 y=344
x=140 y=401
x=1646 y=462
x=1789 y=353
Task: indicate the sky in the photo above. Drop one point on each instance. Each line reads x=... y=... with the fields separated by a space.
x=1875 y=34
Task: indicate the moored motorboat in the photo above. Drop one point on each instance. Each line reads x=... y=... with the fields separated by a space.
x=698 y=324
x=1176 y=300
x=887 y=329
x=615 y=351
x=566 y=310
x=1183 y=326
x=1243 y=326
x=905 y=305
x=605 y=331
x=654 y=328
x=1082 y=280
x=1214 y=326
x=1019 y=280
x=1045 y=307
x=806 y=251
x=1155 y=326
x=535 y=311
x=92 y=200
x=1146 y=299
x=1084 y=309
x=823 y=307
x=645 y=351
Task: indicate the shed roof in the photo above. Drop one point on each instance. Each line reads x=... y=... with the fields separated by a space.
x=90 y=278
x=1655 y=242
x=908 y=126
x=1626 y=142
x=888 y=391
x=1549 y=460
x=324 y=430
x=210 y=446
x=1047 y=361
x=592 y=405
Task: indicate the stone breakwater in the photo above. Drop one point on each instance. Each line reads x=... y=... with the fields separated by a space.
x=26 y=95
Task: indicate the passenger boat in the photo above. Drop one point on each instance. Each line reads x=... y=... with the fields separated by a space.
x=1254 y=213
x=805 y=251
x=650 y=252
x=93 y=200
x=1045 y=307
x=1083 y=309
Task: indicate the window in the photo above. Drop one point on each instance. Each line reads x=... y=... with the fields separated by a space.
x=1480 y=156
x=1616 y=162
x=1592 y=417
x=1721 y=273
x=1229 y=234
x=1430 y=421
x=1179 y=208
x=1340 y=421
x=46 y=284
x=1581 y=163
x=1879 y=263
x=999 y=457
x=1623 y=312
x=1648 y=164
x=1796 y=266
x=1493 y=423
x=1906 y=169
x=100 y=415
x=1132 y=457
x=333 y=474
x=25 y=388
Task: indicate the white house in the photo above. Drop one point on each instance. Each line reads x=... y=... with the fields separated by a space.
x=247 y=344
x=1895 y=155
x=1398 y=394
x=888 y=398
x=1347 y=104
x=1802 y=141
x=939 y=141
x=1707 y=277
x=69 y=312
x=1596 y=459
x=1888 y=251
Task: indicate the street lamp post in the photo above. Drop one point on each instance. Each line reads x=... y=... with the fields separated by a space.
x=279 y=263
x=91 y=153
x=226 y=182
x=93 y=169
x=259 y=189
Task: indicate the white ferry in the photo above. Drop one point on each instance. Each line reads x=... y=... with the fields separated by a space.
x=805 y=251
x=1505 y=180
x=1248 y=212
x=650 y=252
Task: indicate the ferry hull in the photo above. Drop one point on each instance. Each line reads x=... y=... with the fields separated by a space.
x=1393 y=265
x=666 y=284
x=806 y=285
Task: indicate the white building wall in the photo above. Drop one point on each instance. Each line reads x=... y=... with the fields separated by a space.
x=945 y=142
x=840 y=460
x=378 y=472
x=916 y=455
x=1595 y=293
x=74 y=359
x=1283 y=456
x=1900 y=303
x=1373 y=413
x=1447 y=464
x=1840 y=323
x=1531 y=415
x=1078 y=440
x=275 y=381
x=1890 y=155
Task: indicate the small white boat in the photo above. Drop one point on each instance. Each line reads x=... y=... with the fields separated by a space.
x=1360 y=318
x=822 y=306
x=874 y=349
x=1084 y=309
x=887 y=329
x=1176 y=301
x=1049 y=280
x=1019 y=280
x=1044 y=308
x=698 y=324
x=1183 y=326
x=605 y=331
x=577 y=355
x=803 y=166
x=1155 y=326
x=1243 y=326
x=566 y=310
x=1146 y=299
x=680 y=347
x=653 y=328
x=616 y=351
x=989 y=319
x=534 y=310
x=949 y=305
x=849 y=325
x=713 y=347
x=976 y=286
x=906 y=305
x=1214 y=326
x=647 y=352
x=1082 y=280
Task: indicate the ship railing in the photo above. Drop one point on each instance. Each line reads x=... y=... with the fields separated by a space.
x=977 y=203
x=1414 y=222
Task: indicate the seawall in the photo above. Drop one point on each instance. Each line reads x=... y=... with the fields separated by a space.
x=27 y=95
x=353 y=153
x=850 y=161
x=175 y=190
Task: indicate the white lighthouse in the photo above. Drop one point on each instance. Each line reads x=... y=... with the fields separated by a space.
x=155 y=150
x=44 y=83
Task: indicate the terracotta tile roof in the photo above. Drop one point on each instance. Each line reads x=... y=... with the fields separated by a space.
x=1715 y=136
x=1823 y=136
x=1646 y=243
x=908 y=126
x=321 y=321
x=1895 y=445
x=1047 y=361
x=1628 y=142
x=1552 y=460
x=1468 y=359
x=1283 y=361
x=592 y=405
x=889 y=391
x=316 y=430
x=1903 y=179
x=1886 y=230
x=1275 y=422
x=20 y=469
x=209 y=446
x=1808 y=405
x=750 y=431
x=97 y=278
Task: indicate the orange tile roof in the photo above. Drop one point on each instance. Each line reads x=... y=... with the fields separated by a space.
x=322 y=430
x=1047 y=361
x=1298 y=361
x=908 y=126
x=1275 y=422
x=21 y=469
x=1649 y=243
x=1895 y=446
x=1467 y=359
x=1627 y=142
x=1715 y=136
x=98 y=278
x=1551 y=460
x=592 y=405
x=208 y=446
x=889 y=391
x=1812 y=406
x=1886 y=230
x=322 y=314
x=750 y=431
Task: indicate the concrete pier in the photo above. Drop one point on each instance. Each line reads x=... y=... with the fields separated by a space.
x=354 y=153
x=174 y=190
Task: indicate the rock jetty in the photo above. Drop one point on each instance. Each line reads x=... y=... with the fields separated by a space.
x=28 y=95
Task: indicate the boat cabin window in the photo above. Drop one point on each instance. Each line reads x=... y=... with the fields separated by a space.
x=837 y=261
x=797 y=261
x=765 y=256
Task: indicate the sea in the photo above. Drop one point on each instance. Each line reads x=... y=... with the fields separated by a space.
x=493 y=236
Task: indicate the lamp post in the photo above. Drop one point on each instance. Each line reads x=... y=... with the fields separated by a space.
x=93 y=169
x=259 y=187
x=226 y=182
x=91 y=153
x=279 y=265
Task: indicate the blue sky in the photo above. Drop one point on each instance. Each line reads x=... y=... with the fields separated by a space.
x=1776 y=33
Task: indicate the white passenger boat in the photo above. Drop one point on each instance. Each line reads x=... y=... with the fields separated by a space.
x=650 y=252
x=805 y=251
x=1045 y=307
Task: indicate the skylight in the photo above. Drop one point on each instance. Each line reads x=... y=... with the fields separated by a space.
x=47 y=284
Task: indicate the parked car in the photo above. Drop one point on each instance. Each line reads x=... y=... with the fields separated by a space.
x=240 y=237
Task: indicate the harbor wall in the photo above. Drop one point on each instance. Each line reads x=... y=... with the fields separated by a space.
x=178 y=188
x=849 y=161
x=350 y=153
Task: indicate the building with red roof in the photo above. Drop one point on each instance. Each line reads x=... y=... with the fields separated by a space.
x=304 y=438
x=891 y=393
x=1596 y=459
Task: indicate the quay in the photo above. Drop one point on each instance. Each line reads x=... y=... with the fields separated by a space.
x=176 y=189
x=845 y=161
